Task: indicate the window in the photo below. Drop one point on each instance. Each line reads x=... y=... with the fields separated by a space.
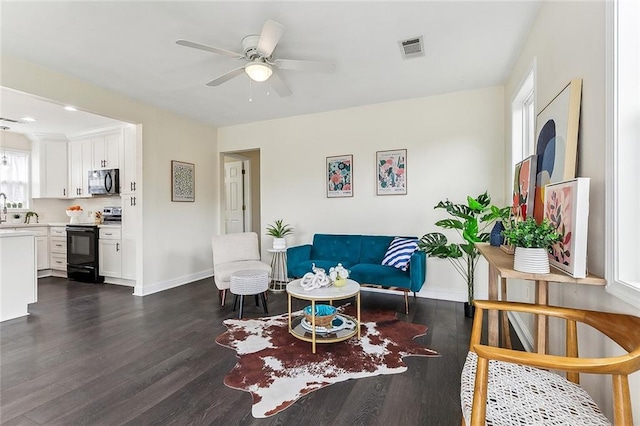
x=623 y=151
x=523 y=123
x=14 y=177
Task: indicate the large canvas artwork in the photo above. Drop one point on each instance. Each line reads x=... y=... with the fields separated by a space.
x=392 y=172
x=557 y=141
x=524 y=180
x=339 y=177
x=566 y=205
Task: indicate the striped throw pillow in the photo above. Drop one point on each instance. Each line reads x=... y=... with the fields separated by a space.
x=399 y=252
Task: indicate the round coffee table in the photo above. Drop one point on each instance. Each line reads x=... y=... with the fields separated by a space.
x=331 y=293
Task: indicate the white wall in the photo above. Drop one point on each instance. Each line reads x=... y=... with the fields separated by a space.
x=455 y=149
x=176 y=237
x=568 y=41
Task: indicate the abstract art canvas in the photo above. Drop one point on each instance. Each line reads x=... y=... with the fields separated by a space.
x=339 y=176
x=557 y=141
x=524 y=180
x=183 y=181
x=391 y=172
x=566 y=205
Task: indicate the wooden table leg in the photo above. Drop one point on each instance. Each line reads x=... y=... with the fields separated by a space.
x=542 y=321
x=506 y=336
x=492 y=326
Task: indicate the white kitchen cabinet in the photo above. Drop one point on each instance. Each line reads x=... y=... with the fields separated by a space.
x=110 y=253
x=58 y=250
x=130 y=217
x=80 y=163
x=18 y=278
x=129 y=168
x=106 y=150
x=42 y=244
x=49 y=169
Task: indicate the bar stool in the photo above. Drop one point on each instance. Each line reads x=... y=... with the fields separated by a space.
x=247 y=283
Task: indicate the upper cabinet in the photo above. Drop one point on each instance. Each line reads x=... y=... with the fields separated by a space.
x=49 y=169
x=80 y=162
x=106 y=150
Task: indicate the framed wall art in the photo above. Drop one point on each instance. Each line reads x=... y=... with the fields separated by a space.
x=339 y=176
x=183 y=181
x=557 y=141
x=391 y=172
x=566 y=205
x=524 y=179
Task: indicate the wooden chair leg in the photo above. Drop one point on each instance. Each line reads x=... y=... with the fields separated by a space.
x=222 y=295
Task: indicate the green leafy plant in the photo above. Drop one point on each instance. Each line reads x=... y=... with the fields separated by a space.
x=530 y=234
x=278 y=229
x=470 y=220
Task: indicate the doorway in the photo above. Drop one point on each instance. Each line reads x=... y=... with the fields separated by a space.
x=241 y=191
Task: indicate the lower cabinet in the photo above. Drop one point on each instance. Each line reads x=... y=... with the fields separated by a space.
x=110 y=253
x=58 y=250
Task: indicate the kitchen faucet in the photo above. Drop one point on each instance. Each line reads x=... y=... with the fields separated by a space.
x=4 y=208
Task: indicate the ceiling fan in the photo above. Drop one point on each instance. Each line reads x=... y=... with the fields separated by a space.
x=260 y=65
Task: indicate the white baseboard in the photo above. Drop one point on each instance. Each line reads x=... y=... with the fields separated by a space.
x=146 y=289
x=119 y=281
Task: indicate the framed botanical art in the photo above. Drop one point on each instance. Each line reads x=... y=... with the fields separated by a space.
x=557 y=141
x=339 y=176
x=183 y=181
x=566 y=205
x=524 y=179
x=391 y=172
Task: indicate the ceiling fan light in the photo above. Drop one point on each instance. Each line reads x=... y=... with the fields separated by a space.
x=258 y=71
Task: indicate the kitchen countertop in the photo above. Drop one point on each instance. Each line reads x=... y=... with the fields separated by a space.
x=21 y=225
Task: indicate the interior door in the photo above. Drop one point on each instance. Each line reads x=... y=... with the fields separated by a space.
x=234 y=197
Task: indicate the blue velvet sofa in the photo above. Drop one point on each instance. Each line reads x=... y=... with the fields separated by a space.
x=362 y=255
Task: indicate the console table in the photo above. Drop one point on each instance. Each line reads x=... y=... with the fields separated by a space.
x=501 y=268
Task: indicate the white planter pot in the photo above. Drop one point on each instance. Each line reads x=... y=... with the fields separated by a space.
x=531 y=260
x=279 y=244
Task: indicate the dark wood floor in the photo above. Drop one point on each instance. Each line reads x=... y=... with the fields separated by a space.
x=96 y=355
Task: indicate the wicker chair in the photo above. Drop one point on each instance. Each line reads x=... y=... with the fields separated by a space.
x=507 y=387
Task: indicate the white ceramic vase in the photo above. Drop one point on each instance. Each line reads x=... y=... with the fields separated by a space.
x=279 y=244
x=531 y=260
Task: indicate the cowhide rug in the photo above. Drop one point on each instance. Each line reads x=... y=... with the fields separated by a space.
x=277 y=368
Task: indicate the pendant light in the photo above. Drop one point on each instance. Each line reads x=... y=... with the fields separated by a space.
x=4 y=161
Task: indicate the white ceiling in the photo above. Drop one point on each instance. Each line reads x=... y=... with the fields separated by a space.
x=129 y=47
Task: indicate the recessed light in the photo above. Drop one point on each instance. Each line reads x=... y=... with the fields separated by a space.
x=29 y=119
x=70 y=108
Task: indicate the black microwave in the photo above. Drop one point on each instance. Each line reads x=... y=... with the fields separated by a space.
x=104 y=182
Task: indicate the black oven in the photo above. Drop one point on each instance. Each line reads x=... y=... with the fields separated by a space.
x=82 y=253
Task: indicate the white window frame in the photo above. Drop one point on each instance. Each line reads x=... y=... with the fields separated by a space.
x=523 y=120
x=26 y=203
x=622 y=249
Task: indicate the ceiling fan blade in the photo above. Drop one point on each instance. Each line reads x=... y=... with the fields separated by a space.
x=297 y=65
x=226 y=77
x=279 y=85
x=269 y=37
x=211 y=49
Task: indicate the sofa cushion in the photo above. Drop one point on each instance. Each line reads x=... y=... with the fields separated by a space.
x=399 y=252
x=337 y=248
x=367 y=273
x=373 y=248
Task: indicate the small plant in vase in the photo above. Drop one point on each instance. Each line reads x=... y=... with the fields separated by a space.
x=278 y=230
x=532 y=241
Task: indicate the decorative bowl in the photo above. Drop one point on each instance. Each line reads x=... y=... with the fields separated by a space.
x=324 y=315
x=74 y=214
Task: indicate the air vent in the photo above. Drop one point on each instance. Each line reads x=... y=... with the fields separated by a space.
x=8 y=120
x=411 y=48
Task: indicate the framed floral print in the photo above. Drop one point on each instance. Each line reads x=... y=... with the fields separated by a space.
x=183 y=181
x=339 y=176
x=391 y=172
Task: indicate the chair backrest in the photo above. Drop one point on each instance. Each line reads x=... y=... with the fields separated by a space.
x=235 y=247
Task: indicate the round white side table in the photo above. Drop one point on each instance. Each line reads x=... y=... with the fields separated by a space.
x=279 y=273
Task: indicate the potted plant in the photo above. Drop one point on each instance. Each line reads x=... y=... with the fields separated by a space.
x=278 y=230
x=532 y=241
x=470 y=220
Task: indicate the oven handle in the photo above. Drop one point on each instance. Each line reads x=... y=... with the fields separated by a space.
x=79 y=230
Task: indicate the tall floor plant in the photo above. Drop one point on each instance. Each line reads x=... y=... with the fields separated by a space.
x=471 y=221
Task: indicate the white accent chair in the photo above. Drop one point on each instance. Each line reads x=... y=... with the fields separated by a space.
x=233 y=253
